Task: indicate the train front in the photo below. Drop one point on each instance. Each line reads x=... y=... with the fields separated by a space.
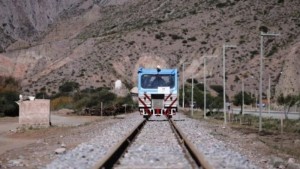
x=157 y=92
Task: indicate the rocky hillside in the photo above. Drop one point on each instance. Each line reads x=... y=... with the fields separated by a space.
x=95 y=42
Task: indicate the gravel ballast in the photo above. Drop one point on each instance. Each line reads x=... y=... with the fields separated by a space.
x=85 y=155
x=215 y=151
x=155 y=147
x=164 y=152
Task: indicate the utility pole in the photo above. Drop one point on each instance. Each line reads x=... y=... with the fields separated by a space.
x=183 y=85
x=269 y=96
x=224 y=81
x=262 y=34
x=204 y=82
x=192 y=97
x=243 y=96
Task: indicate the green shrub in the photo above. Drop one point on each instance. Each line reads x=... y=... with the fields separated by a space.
x=253 y=53
x=272 y=51
x=192 y=39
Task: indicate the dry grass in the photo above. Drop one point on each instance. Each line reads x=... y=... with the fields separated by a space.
x=61 y=102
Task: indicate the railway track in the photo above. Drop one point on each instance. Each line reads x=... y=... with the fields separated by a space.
x=157 y=143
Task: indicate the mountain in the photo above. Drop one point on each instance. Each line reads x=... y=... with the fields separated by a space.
x=96 y=42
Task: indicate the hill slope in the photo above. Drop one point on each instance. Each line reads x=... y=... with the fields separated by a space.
x=97 y=42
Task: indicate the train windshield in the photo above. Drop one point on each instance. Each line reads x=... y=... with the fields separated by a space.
x=152 y=81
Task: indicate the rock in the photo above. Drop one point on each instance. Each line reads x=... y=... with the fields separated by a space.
x=63 y=145
x=39 y=141
x=281 y=166
x=291 y=160
x=64 y=111
x=293 y=166
x=297 y=142
x=222 y=1
x=21 y=157
x=16 y=163
x=60 y=150
x=276 y=161
x=264 y=160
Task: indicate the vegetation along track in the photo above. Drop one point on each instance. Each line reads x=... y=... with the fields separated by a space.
x=156 y=143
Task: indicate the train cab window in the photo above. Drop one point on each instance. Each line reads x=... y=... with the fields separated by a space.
x=158 y=81
x=152 y=81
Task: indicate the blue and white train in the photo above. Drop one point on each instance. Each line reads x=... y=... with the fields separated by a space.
x=158 y=92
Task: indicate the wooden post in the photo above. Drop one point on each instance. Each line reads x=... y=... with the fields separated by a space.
x=101 y=109
x=281 y=123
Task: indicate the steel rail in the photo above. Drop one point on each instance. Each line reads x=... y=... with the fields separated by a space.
x=198 y=157
x=117 y=151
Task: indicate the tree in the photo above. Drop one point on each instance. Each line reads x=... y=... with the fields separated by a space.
x=287 y=102
x=219 y=90
x=214 y=103
x=198 y=96
x=9 y=93
x=238 y=99
x=211 y=101
x=68 y=87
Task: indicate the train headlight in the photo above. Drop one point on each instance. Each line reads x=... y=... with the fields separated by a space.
x=158 y=68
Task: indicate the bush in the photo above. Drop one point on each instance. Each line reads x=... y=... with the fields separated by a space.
x=272 y=51
x=175 y=37
x=192 y=39
x=8 y=106
x=280 y=1
x=253 y=53
x=160 y=36
x=263 y=29
x=236 y=79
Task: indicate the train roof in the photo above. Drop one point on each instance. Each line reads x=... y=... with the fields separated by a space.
x=155 y=71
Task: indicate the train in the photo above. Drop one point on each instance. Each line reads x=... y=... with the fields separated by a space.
x=157 y=92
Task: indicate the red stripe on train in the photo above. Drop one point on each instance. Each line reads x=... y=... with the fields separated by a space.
x=145 y=106
x=168 y=97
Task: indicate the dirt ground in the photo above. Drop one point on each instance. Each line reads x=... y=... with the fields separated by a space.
x=12 y=137
x=35 y=148
x=267 y=149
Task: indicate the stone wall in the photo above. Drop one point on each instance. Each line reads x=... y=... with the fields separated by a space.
x=34 y=113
